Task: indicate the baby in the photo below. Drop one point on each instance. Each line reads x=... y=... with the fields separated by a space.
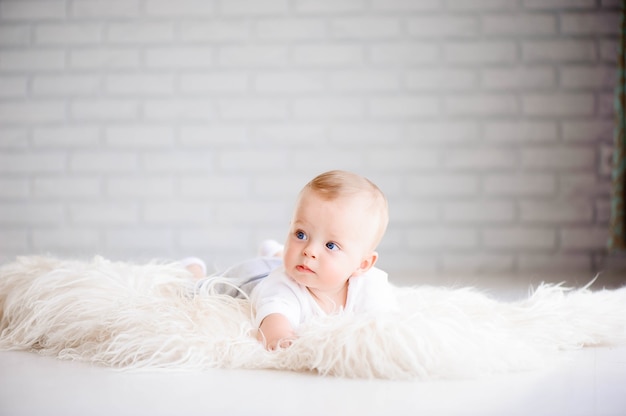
x=328 y=258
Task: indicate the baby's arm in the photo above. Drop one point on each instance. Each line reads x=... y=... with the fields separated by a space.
x=275 y=331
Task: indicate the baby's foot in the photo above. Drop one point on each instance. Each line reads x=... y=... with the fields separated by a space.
x=270 y=248
x=195 y=265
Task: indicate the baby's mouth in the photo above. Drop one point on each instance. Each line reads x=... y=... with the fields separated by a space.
x=303 y=269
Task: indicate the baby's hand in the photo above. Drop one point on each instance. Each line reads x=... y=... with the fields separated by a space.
x=275 y=332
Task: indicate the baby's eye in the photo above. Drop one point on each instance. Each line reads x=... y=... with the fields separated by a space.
x=300 y=235
x=331 y=246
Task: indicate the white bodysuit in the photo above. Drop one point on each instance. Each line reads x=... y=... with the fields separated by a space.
x=278 y=293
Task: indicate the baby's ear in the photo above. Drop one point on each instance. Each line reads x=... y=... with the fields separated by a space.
x=366 y=264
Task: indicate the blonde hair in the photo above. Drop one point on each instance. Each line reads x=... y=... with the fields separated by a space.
x=336 y=184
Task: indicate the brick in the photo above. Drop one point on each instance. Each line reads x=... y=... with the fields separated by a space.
x=529 y=24
x=501 y=104
x=328 y=54
x=560 y=104
x=290 y=28
x=403 y=53
x=102 y=162
x=289 y=82
x=554 y=262
x=561 y=50
x=402 y=158
x=584 y=238
x=320 y=160
x=32 y=9
x=254 y=8
x=585 y=184
x=179 y=57
x=441 y=27
x=558 y=158
x=48 y=162
x=559 y=4
x=178 y=161
x=104 y=109
x=465 y=264
x=102 y=58
x=359 y=80
x=437 y=238
x=71 y=136
x=275 y=185
x=479 y=212
x=521 y=131
x=32 y=112
x=414 y=212
x=13 y=240
x=27 y=213
x=13 y=86
x=441 y=79
x=590 y=131
x=363 y=132
x=193 y=8
x=557 y=212
x=31 y=60
x=251 y=160
x=480 y=5
x=365 y=27
x=178 y=213
x=219 y=239
x=442 y=185
x=590 y=23
x=64 y=85
x=253 y=109
x=64 y=237
x=605 y=104
x=215 y=82
x=287 y=134
x=227 y=30
x=487 y=52
x=139 y=33
x=139 y=136
x=68 y=33
x=140 y=187
x=252 y=55
x=521 y=78
x=105 y=8
x=328 y=6
x=215 y=186
x=603 y=211
x=143 y=84
x=405 y=5
x=180 y=109
x=527 y=238
x=404 y=107
x=480 y=159
x=428 y=132
x=246 y=213
x=60 y=187
x=588 y=77
x=609 y=50
x=519 y=184
x=109 y=213
x=14 y=34
x=134 y=238
x=201 y=136
x=14 y=137
x=11 y=188
x=328 y=108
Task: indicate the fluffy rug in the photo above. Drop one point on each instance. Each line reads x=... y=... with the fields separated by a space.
x=145 y=316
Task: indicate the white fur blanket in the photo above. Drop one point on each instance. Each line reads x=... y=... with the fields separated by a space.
x=144 y=316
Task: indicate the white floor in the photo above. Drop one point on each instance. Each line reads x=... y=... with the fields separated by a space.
x=587 y=382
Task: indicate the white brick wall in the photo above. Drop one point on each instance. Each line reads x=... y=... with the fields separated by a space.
x=144 y=129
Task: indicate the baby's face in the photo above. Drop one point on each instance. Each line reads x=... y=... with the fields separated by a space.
x=327 y=241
